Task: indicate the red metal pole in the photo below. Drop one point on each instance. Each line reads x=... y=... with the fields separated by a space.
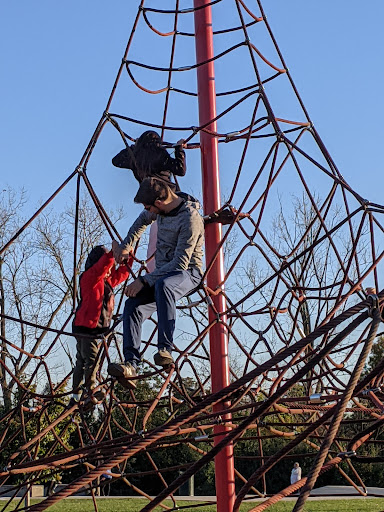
x=224 y=465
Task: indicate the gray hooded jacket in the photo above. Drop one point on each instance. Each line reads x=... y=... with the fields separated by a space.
x=180 y=239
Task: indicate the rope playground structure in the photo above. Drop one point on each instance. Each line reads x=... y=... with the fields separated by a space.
x=273 y=347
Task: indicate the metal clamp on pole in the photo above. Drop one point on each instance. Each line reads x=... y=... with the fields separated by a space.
x=370 y=390
x=316 y=398
x=202 y=438
x=373 y=300
x=347 y=455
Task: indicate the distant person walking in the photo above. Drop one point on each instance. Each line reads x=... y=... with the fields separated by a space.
x=295 y=473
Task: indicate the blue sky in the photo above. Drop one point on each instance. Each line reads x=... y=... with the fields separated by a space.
x=59 y=61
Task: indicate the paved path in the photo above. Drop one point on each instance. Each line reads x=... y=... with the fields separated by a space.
x=330 y=492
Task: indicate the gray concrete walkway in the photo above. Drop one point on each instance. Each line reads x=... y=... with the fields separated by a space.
x=330 y=492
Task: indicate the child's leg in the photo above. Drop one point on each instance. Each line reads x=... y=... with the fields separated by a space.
x=78 y=370
x=136 y=310
x=90 y=350
x=168 y=290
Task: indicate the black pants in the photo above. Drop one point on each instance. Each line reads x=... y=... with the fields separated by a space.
x=86 y=365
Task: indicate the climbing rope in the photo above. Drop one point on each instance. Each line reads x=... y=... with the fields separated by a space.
x=299 y=322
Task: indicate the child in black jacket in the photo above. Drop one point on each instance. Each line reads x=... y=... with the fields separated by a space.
x=147 y=158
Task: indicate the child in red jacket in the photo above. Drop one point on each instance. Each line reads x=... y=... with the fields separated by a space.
x=94 y=314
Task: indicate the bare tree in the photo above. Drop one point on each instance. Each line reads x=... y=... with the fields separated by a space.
x=37 y=275
x=298 y=267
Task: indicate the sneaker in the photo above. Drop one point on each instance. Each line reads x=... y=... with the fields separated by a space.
x=97 y=396
x=163 y=358
x=72 y=402
x=88 y=404
x=122 y=370
x=124 y=373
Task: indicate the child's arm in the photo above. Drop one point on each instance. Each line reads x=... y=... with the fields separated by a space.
x=120 y=274
x=124 y=159
x=177 y=165
x=144 y=220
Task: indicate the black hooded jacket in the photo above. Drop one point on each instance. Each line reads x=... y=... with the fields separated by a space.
x=162 y=167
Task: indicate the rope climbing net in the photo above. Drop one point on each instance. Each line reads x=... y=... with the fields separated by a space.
x=300 y=247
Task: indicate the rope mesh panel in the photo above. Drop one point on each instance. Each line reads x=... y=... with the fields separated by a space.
x=301 y=246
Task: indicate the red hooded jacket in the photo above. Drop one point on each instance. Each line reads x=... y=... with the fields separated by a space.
x=97 y=301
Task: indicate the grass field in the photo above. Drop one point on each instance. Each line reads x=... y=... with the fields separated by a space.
x=135 y=505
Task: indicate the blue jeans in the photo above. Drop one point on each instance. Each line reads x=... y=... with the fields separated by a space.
x=161 y=297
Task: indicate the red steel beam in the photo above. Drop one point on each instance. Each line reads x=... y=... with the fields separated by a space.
x=224 y=462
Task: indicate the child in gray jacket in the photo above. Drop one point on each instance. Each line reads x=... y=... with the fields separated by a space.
x=179 y=254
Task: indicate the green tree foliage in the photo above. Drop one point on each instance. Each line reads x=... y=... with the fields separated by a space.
x=168 y=453
x=376 y=355
x=24 y=423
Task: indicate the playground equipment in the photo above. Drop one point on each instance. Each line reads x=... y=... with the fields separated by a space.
x=275 y=340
